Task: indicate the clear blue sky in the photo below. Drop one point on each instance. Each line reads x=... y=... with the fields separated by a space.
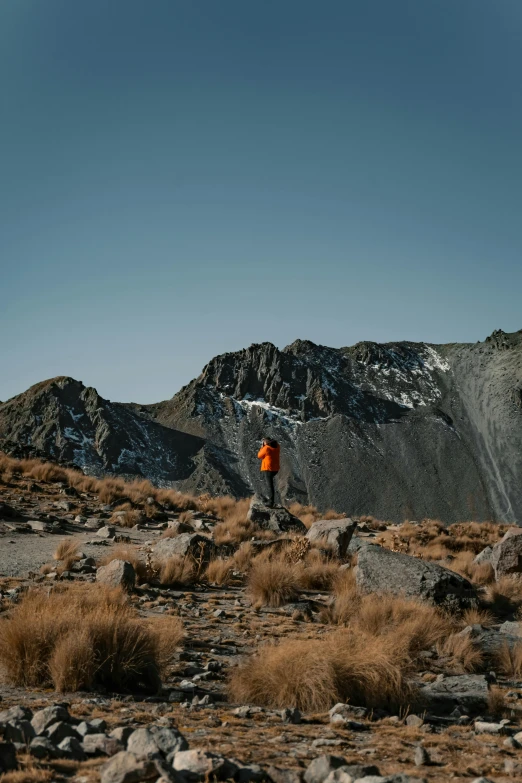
x=180 y=178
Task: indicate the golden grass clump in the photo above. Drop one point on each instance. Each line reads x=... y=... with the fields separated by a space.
x=463 y=653
x=313 y=675
x=177 y=571
x=272 y=582
x=67 y=553
x=233 y=531
x=243 y=556
x=219 y=571
x=509 y=660
x=83 y=637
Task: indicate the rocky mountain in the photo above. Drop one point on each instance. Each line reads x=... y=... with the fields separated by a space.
x=398 y=430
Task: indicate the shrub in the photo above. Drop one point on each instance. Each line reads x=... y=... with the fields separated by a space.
x=315 y=675
x=177 y=571
x=272 y=582
x=244 y=556
x=233 y=531
x=509 y=660
x=219 y=571
x=67 y=553
x=83 y=637
x=463 y=653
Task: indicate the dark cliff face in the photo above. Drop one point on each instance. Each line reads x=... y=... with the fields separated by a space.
x=66 y=422
x=402 y=430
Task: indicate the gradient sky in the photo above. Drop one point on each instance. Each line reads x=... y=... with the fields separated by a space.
x=181 y=178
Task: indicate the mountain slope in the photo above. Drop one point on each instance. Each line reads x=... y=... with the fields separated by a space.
x=401 y=430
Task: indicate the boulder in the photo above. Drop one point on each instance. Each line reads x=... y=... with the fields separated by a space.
x=18 y=731
x=468 y=692
x=14 y=714
x=126 y=767
x=491 y=641
x=71 y=748
x=381 y=571
x=186 y=544
x=484 y=556
x=335 y=533
x=118 y=573
x=7 y=757
x=155 y=739
x=199 y=765
x=44 y=718
x=320 y=768
x=506 y=557
x=100 y=745
x=58 y=731
x=107 y=531
x=278 y=519
x=351 y=772
x=43 y=748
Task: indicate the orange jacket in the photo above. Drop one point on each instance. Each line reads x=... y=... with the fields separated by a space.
x=270 y=457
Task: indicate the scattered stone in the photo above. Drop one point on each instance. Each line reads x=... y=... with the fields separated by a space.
x=58 y=731
x=101 y=745
x=154 y=739
x=336 y=533
x=199 y=765
x=381 y=571
x=506 y=557
x=185 y=544
x=414 y=720
x=122 y=734
x=44 y=718
x=43 y=748
x=278 y=775
x=278 y=519
x=118 y=573
x=71 y=748
x=468 y=692
x=126 y=767
x=351 y=772
x=18 y=731
x=107 y=531
x=421 y=757
x=95 y=523
x=7 y=757
x=483 y=727
x=291 y=716
x=321 y=767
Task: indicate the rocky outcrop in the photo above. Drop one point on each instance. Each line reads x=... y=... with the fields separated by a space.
x=506 y=557
x=440 y=425
x=277 y=519
x=467 y=692
x=381 y=571
x=335 y=533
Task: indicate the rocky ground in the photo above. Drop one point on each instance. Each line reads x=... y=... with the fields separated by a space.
x=468 y=727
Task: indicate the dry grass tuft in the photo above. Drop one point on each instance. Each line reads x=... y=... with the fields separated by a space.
x=477 y=617
x=497 y=702
x=314 y=675
x=243 y=556
x=509 y=660
x=273 y=582
x=29 y=774
x=464 y=655
x=233 y=531
x=177 y=571
x=83 y=637
x=219 y=571
x=66 y=549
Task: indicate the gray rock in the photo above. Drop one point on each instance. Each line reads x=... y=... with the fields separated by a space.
x=15 y=714
x=483 y=727
x=511 y=629
x=179 y=527
x=250 y=773
x=421 y=757
x=39 y=526
x=118 y=573
x=278 y=775
x=291 y=716
x=184 y=545
x=414 y=720
x=122 y=734
x=100 y=745
x=107 y=531
x=156 y=739
x=71 y=748
x=198 y=765
x=98 y=724
x=321 y=767
x=94 y=523
x=506 y=557
x=278 y=519
x=351 y=772
x=484 y=556
x=19 y=731
x=43 y=748
x=490 y=641
x=381 y=571
x=58 y=731
x=482 y=780
x=469 y=692
x=85 y=728
x=126 y=767
x=7 y=757
x=336 y=534
x=44 y=718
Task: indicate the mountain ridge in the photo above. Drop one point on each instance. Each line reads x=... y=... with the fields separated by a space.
x=398 y=430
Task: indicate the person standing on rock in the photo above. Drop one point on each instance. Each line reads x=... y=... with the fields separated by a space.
x=269 y=454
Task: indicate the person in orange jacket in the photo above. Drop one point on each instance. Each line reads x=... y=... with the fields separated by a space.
x=269 y=454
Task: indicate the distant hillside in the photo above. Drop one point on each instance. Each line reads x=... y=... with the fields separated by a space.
x=399 y=430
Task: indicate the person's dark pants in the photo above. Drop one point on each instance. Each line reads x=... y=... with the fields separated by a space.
x=270 y=476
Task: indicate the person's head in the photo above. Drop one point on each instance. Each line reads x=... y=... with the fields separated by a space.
x=269 y=442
